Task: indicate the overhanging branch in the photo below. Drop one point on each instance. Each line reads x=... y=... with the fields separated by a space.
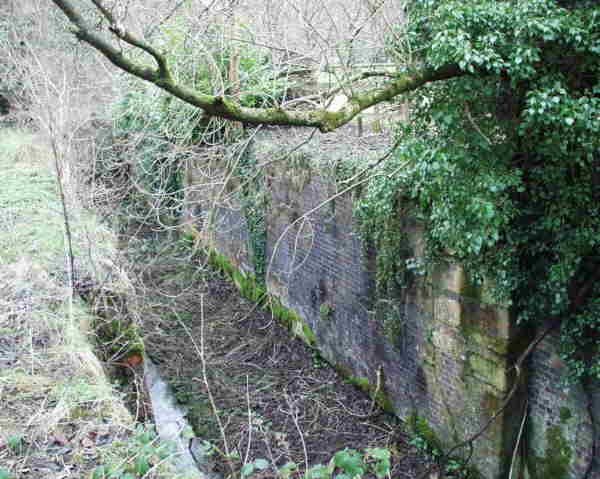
x=226 y=108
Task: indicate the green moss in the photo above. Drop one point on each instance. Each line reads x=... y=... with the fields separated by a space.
x=280 y=312
x=325 y=312
x=220 y=262
x=240 y=281
x=378 y=395
x=292 y=321
x=119 y=338
x=307 y=335
x=385 y=403
x=558 y=454
x=486 y=367
x=418 y=426
x=331 y=119
x=254 y=290
x=565 y=414
x=258 y=293
x=474 y=333
x=247 y=284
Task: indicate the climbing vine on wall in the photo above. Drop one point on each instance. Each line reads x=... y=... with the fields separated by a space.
x=253 y=199
x=506 y=158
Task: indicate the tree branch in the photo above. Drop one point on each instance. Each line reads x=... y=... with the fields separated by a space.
x=82 y=31
x=223 y=107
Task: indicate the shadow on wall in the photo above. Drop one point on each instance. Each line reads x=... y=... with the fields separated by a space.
x=4 y=105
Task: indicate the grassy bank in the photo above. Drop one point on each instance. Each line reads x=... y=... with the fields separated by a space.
x=60 y=416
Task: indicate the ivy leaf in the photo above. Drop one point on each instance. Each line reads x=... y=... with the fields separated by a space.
x=349 y=461
x=379 y=453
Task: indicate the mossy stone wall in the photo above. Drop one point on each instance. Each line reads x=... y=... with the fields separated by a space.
x=438 y=351
x=560 y=425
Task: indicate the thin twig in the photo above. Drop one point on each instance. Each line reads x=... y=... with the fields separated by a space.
x=518 y=443
x=200 y=351
x=63 y=202
x=294 y=414
x=371 y=166
x=475 y=125
x=249 y=422
x=301 y=218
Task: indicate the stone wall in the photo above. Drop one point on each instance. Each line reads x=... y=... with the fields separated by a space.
x=560 y=424
x=435 y=354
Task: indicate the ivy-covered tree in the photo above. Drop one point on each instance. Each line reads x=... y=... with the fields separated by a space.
x=506 y=160
x=502 y=152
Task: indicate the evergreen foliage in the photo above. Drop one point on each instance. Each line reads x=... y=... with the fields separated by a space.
x=504 y=162
x=200 y=59
x=159 y=127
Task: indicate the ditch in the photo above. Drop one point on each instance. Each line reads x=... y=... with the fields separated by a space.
x=265 y=403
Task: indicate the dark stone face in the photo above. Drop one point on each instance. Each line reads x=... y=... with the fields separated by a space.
x=4 y=105
x=439 y=353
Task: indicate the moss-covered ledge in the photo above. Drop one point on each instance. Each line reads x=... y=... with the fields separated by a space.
x=250 y=288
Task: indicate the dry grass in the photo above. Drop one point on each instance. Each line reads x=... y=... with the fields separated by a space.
x=60 y=416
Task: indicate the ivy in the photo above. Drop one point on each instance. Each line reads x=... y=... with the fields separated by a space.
x=160 y=127
x=254 y=203
x=378 y=210
x=504 y=161
x=501 y=165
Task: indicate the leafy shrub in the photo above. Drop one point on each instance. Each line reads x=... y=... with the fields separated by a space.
x=157 y=129
x=143 y=450
x=504 y=160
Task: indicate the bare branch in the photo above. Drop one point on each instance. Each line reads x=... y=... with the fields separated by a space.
x=227 y=108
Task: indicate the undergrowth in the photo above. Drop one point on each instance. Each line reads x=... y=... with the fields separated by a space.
x=59 y=414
